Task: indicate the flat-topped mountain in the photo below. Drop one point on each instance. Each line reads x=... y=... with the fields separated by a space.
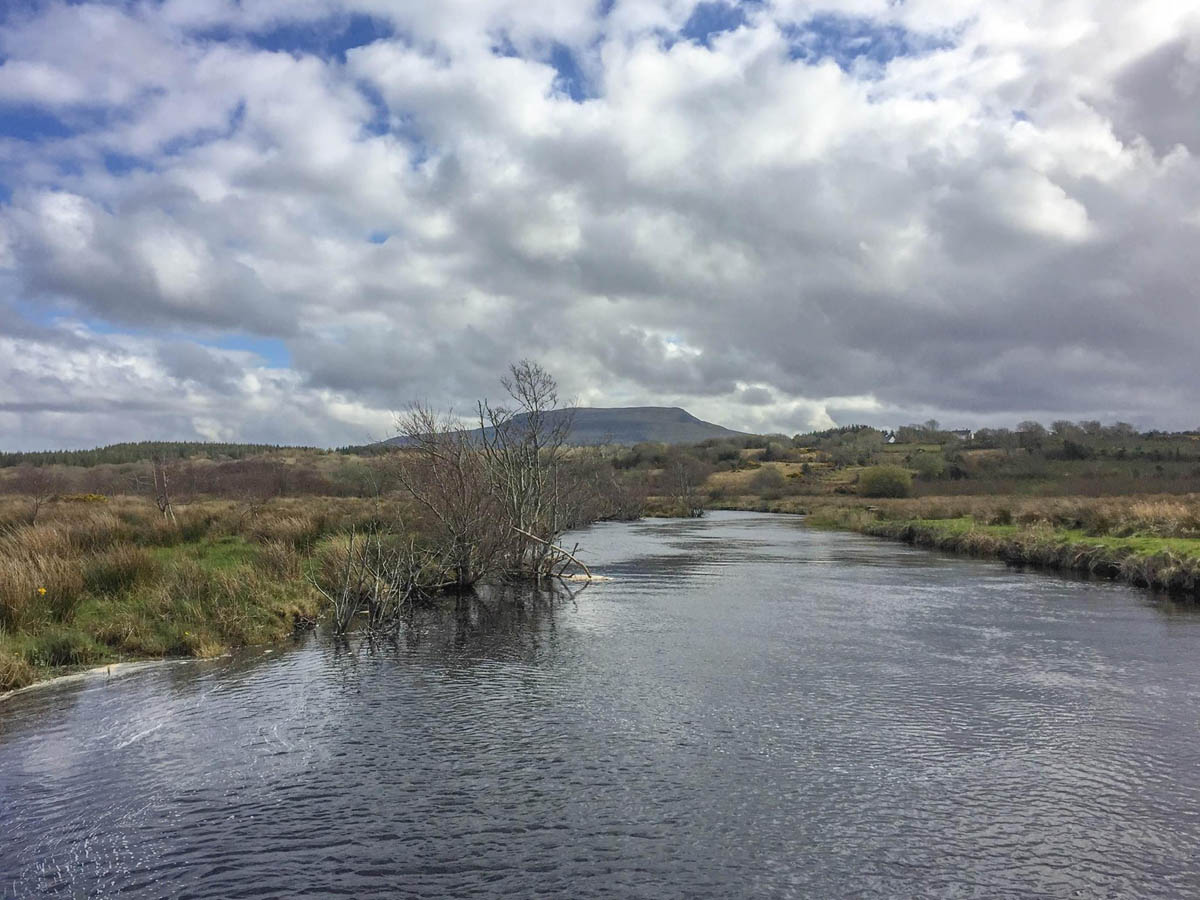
x=635 y=424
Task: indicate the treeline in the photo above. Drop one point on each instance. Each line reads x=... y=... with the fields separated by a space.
x=256 y=477
x=137 y=451
x=1085 y=457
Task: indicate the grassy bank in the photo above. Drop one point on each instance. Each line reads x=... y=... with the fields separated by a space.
x=1151 y=542
x=94 y=582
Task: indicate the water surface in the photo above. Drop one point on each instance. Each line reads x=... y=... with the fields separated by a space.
x=749 y=709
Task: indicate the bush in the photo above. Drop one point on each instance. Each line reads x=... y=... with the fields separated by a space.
x=768 y=482
x=884 y=481
x=929 y=465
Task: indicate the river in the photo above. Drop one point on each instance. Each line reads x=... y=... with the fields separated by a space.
x=749 y=708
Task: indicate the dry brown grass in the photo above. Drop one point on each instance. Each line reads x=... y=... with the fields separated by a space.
x=96 y=581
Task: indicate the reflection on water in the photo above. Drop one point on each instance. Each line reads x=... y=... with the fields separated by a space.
x=748 y=709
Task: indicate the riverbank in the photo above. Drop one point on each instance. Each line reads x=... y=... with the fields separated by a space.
x=99 y=583
x=106 y=671
x=107 y=580
x=1147 y=543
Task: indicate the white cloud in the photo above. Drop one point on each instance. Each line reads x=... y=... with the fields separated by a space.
x=974 y=229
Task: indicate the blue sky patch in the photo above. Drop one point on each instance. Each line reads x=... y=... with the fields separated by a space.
x=381 y=118
x=28 y=123
x=570 y=79
x=851 y=41
x=272 y=350
x=331 y=37
x=569 y=75
x=712 y=18
x=122 y=164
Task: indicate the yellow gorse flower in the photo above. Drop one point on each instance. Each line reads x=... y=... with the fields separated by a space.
x=42 y=591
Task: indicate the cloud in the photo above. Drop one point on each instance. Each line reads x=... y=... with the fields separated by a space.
x=775 y=214
x=67 y=385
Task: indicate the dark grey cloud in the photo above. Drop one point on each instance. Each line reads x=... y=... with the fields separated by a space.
x=1157 y=95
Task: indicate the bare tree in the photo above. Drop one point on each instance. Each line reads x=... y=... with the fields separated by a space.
x=524 y=449
x=161 y=474
x=39 y=485
x=684 y=475
x=374 y=574
x=444 y=472
x=499 y=499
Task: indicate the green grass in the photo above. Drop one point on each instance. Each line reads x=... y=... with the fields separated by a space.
x=1163 y=563
x=216 y=554
x=1142 y=545
x=200 y=598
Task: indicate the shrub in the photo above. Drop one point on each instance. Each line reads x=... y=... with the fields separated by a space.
x=884 y=481
x=768 y=482
x=929 y=465
x=1002 y=516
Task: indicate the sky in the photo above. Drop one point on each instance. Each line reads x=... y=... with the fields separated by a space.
x=282 y=222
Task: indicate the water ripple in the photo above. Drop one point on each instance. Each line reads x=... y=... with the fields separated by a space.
x=749 y=709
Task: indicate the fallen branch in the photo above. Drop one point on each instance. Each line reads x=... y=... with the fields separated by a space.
x=552 y=546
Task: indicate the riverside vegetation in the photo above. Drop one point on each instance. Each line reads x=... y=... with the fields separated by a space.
x=1098 y=500
x=170 y=549
x=209 y=554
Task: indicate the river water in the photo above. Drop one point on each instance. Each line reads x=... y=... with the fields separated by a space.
x=748 y=709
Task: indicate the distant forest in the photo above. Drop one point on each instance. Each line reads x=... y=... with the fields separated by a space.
x=131 y=452
x=846 y=445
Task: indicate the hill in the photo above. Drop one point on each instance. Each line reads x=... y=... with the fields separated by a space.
x=635 y=424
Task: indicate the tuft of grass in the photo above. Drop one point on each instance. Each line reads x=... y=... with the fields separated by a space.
x=298 y=530
x=15 y=670
x=280 y=559
x=38 y=582
x=61 y=645
x=118 y=569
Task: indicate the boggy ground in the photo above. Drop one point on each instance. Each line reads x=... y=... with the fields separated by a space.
x=99 y=580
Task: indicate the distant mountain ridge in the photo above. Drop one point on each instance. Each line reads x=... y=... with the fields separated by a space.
x=634 y=425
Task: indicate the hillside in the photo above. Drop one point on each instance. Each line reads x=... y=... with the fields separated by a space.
x=635 y=424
